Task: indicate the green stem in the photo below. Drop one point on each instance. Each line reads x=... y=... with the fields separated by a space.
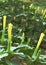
x=3 y=32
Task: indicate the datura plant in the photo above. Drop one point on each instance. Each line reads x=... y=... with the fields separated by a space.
x=4 y=27
x=38 y=45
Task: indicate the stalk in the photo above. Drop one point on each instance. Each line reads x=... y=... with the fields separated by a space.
x=28 y=42
x=38 y=44
x=22 y=38
x=4 y=27
x=9 y=37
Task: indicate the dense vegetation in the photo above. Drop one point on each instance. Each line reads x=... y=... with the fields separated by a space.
x=22 y=33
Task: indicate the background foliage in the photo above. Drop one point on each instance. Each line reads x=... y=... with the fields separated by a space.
x=28 y=18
